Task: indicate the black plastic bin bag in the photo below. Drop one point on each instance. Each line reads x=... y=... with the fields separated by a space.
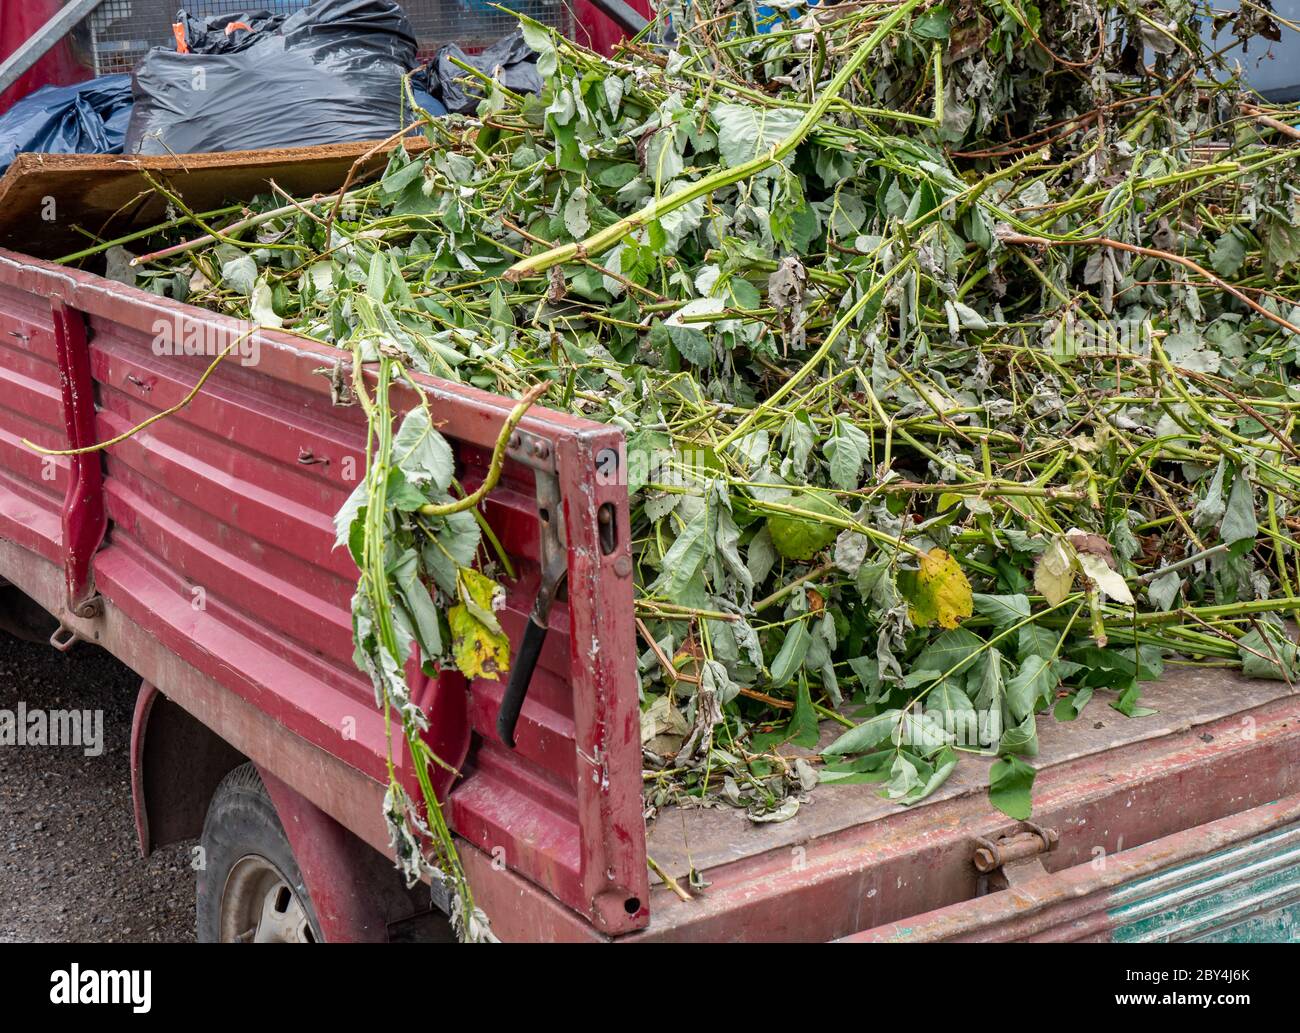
x=330 y=73
x=510 y=61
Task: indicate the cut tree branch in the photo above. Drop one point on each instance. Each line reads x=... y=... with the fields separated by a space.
x=599 y=243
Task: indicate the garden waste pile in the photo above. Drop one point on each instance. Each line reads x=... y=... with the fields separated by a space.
x=955 y=344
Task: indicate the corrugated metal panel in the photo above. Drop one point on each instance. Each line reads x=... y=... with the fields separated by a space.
x=31 y=487
x=1244 y=893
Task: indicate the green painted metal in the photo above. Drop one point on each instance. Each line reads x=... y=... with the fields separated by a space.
x=1249 y=892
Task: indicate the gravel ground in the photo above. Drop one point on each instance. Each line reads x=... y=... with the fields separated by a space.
x=70 y=869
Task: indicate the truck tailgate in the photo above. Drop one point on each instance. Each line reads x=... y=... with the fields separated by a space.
x=1227 y=881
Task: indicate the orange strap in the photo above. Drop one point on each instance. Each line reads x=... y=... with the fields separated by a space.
x=230 y=29
x=178 y=30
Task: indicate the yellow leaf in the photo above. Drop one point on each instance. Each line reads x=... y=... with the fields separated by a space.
x=940 y=591
x=480 y=648
x=1054 y=572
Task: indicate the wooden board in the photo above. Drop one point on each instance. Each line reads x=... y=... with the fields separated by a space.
x=54 y=204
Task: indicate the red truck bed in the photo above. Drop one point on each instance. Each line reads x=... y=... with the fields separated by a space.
x=218 y=582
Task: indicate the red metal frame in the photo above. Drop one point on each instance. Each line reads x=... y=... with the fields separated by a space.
x=85 y=518
x=215 y=503
x=19 y=21
x=1072 y=905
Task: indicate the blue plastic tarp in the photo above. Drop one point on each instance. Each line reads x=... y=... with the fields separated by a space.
x=88 y=118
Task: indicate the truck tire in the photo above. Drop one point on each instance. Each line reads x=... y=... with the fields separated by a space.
x=249 y=887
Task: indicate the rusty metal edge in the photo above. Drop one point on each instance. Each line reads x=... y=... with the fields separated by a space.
x=1064 y=905
x=833 y=887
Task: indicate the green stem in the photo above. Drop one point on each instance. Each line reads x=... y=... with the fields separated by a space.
x=599 y=243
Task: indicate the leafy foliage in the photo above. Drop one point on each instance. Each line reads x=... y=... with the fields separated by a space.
x=971 y=402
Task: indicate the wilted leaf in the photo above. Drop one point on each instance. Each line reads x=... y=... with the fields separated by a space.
x=1020 y=739
x=940 y=591
x=1163 y=591
x=791 y=656
x=802 y=538
x=1002 y=610
x=1030 y=686
x=480 y=649
x=1229 y=255
x=1054 y=572
x=418 y=603
x=803 y=729
x=847 y=451
x=1107 y=580
x=663 y=727
x=1239 y=523
x=1011 y=784
x=1268 y=652
x=747 y=130
x=866 y=736
x=240 y=273
x=1127 y=703
x=261 y=308
x=783 y=811
x=422 y=453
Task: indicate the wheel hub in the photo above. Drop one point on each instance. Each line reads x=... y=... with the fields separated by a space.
x=259 y=906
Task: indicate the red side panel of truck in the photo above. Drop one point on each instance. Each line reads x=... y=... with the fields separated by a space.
x=597 y=31
x=220 y=547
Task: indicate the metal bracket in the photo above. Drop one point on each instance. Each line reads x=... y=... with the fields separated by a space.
x=550 y=512
x=532 y=450
x=85 y=514
x=65 y=638
x=1012 y=859
x=555 y=568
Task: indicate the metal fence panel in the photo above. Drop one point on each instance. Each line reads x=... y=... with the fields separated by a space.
x=121 y=31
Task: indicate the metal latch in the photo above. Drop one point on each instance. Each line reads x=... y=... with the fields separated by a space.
x=555 y=568
x=1012 y=859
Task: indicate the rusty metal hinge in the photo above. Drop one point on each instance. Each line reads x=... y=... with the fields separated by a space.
x=1014 y=858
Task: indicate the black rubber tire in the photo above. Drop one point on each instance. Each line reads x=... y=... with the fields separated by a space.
x=242 y=821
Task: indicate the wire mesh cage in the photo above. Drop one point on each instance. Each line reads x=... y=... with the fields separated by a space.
x=119 y=32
